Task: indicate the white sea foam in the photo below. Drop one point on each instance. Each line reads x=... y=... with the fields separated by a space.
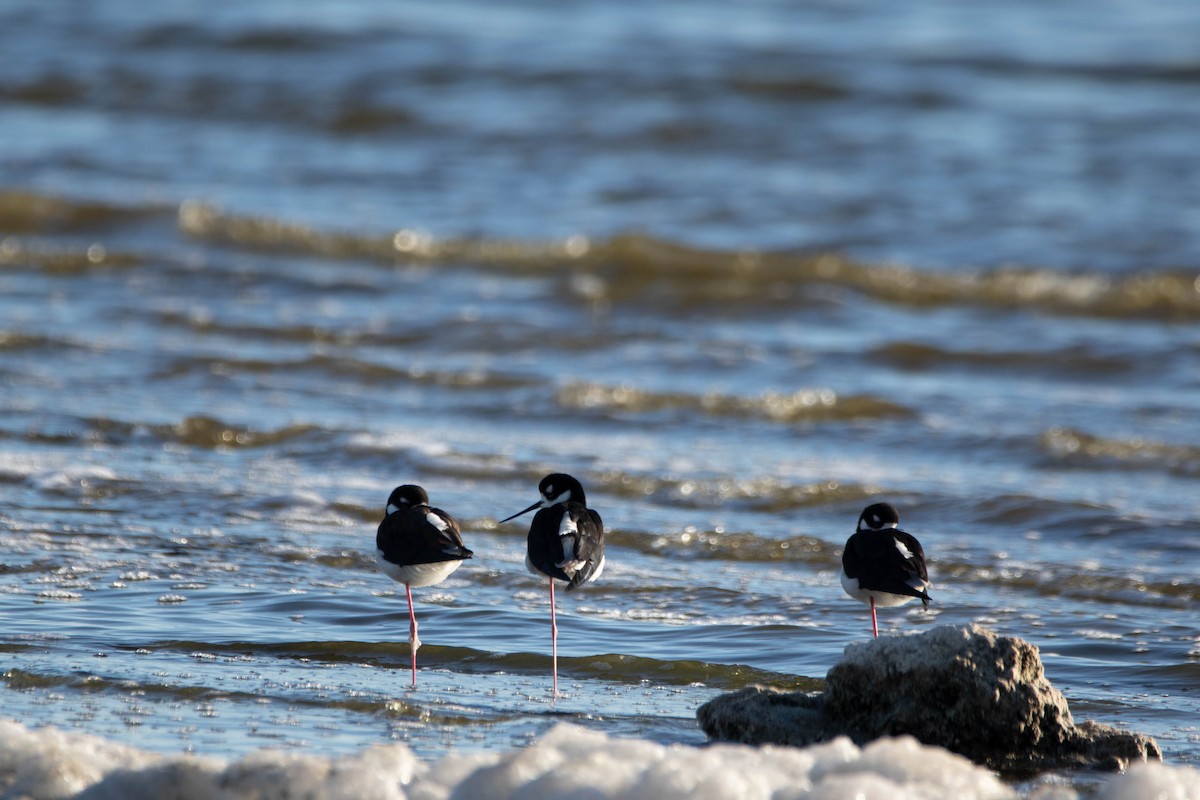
x=1144 y=781
x=72 y=480
x=568 y=763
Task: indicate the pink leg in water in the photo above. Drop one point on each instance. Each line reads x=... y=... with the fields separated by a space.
x=553 y=639
x=874 y=623
x=413 y=641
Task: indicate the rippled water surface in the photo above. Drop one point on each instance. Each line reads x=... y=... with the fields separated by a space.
x=740 y=269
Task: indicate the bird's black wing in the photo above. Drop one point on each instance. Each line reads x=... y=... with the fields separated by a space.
x=545 y=549
x=408 y=537
x=917 y=560
x=887 y=561
x=589 y=543
x=451 y=538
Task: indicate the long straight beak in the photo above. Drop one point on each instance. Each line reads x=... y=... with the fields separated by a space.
x=526 y=511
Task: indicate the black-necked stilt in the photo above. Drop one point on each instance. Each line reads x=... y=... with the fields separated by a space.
x=566 y=543
x=882 y=565
x=417 y=546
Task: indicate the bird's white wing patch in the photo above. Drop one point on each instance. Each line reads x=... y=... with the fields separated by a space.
x=598 y=571
x=904 y=551
x=567 y=531
x=436 y=521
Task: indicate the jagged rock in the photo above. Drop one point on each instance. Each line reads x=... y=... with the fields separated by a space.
x=966 y=689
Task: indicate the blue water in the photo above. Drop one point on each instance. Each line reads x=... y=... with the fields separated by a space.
x=742 y=270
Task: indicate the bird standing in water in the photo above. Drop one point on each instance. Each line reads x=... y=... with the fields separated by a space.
x=566 y=543
x=882 y=565
x=417 y=546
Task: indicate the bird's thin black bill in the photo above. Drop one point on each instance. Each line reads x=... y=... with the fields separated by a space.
x=519 y=513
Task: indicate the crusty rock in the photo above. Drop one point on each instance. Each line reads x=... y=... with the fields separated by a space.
x=966 y=689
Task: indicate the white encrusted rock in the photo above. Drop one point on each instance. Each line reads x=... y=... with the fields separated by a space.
x=966 y=689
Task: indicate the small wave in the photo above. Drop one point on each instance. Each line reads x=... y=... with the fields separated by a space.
x=626 y=266
x=768 y=495
x=52 y=89
x=203 y=221
x=1115 y=72
x=58 y=594
x=20 y=340
x=788 y=87
x=202 y=431
x=741 y=546
x=292 y=38
x=1077 y=449
x=352 y=109
x=366 y=118
x=19 y=679
x=616 y=667
x=194 y=431
x=365 y=371
x=62 y=260
x=717 y=545
x=632 y=265
x=918 y=356
x=25 y=212
x=805 y=405
x=1066 y=518
x=1086 y=585
x=202 y=321
x=73 y=481
x=760 y=276
x=267 y=38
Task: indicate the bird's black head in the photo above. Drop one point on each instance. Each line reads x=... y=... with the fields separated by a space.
x=559 y=488
x=556 y=488
x=878 y=516
x=406 y=496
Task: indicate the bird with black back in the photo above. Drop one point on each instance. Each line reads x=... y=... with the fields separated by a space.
x=417 y=545
x=565 y=543
x=882 y=565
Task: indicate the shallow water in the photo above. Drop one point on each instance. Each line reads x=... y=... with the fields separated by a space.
x=742 y=271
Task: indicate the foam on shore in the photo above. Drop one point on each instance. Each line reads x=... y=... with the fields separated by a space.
x=567 y=763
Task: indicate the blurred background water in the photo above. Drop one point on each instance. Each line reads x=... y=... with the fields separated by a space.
x=741 y=268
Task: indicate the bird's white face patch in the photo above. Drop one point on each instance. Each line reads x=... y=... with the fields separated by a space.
x=904 y=551
x=874 y=524
x=392 y=508
x=550 y=500
x=436 y=521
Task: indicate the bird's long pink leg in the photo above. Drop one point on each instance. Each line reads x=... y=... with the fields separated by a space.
x=874 y=623
x=553 y=639
x=413 y=641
